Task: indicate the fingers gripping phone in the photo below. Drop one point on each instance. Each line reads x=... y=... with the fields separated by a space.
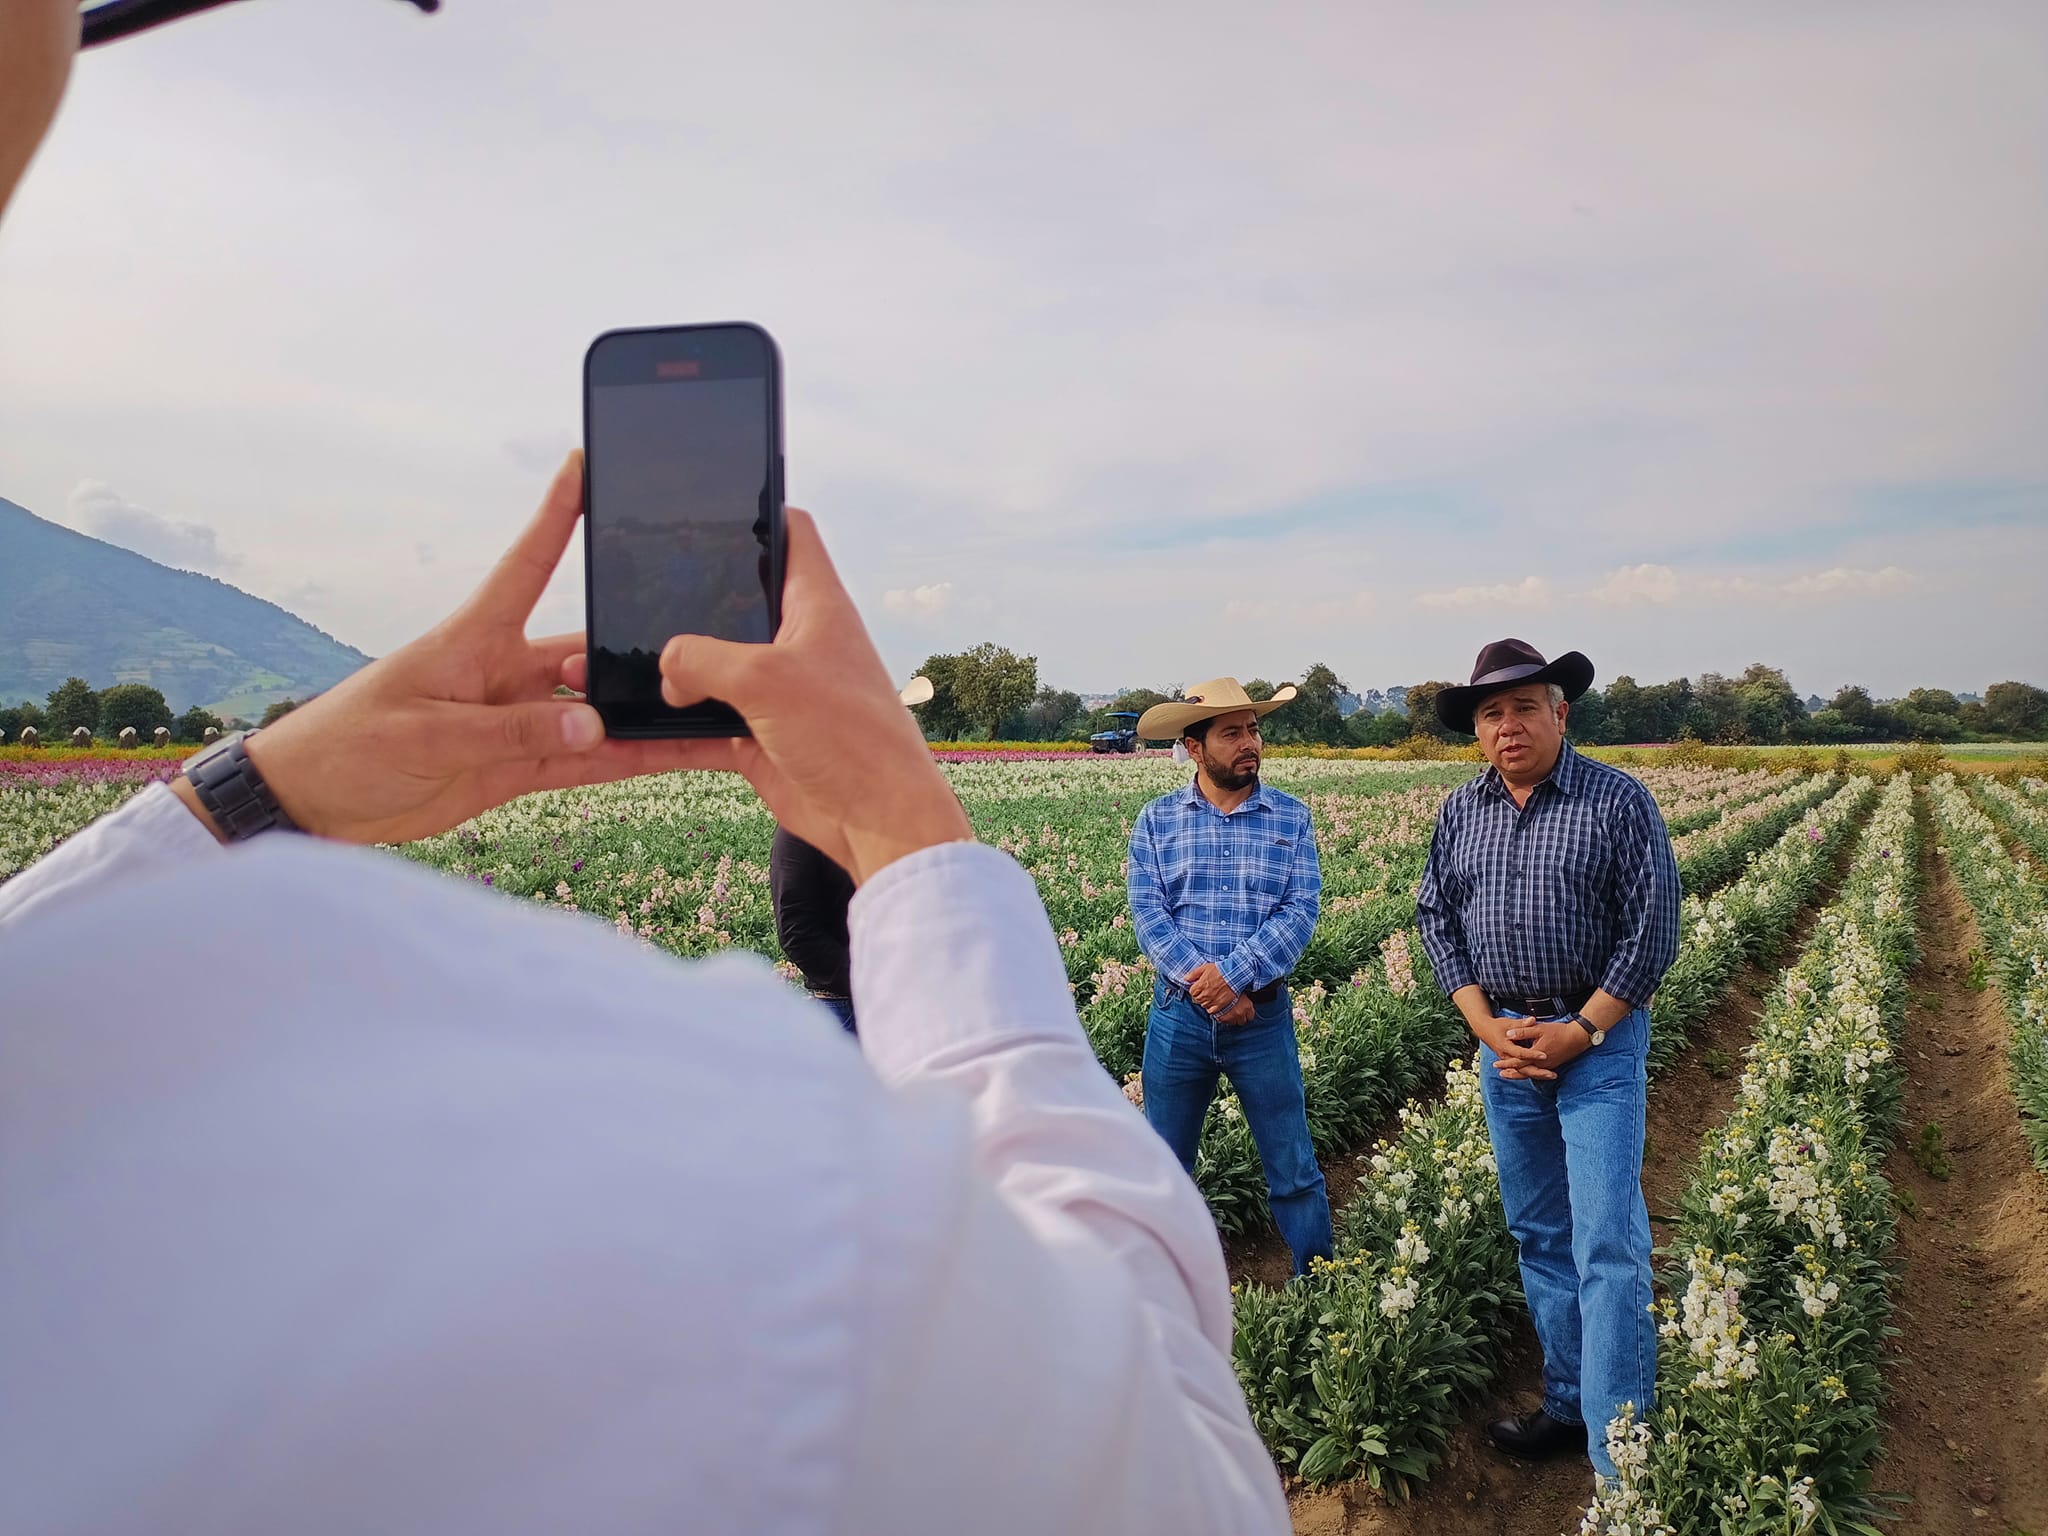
x=682 y=509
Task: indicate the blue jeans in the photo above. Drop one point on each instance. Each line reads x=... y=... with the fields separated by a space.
x=1570 y=1154
x=841 y=1009
x=1185 y=1050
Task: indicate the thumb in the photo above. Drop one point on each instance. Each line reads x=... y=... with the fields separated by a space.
x=478 y=734
x=698 y=667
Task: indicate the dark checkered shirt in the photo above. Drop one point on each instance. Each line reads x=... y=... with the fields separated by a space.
x=1577 y=890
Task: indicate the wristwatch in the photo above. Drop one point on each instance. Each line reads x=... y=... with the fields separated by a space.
x=233 y=792
x=1598 y=1035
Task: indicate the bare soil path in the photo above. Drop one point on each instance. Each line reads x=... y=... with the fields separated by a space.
x=1966 y=1436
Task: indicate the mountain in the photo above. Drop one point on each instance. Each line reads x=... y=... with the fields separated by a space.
x=72 y=606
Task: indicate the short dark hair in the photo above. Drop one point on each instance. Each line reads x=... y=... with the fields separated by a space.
x=1197 y=731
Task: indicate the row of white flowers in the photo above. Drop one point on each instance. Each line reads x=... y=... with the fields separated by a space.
x=1769 y=1384
x=1364 y=1370
x=2010 y=900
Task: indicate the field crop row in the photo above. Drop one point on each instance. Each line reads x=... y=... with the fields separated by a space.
x=1770 y=1371
x=1363 y=1368
x=2010 y=901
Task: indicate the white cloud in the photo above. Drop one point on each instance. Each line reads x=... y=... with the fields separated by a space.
x=922 y=601
x=96 y=508
x=1638 y=584
x=1837 y=582
x=1529 y=592
x=1844 y=581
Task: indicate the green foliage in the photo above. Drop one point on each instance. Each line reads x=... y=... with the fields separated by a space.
x=1422 y=720
x=2018 y=710
x=193 y=724
x=14 y=717
x=1930 y=1155
x=278 y=711
x=72 y=703
x=976 y=691
x=1388 y=728
x=132 y=704
x=1055 y=714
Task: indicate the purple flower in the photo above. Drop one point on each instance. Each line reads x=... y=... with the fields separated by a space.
x=490 y=879
x=576 y=868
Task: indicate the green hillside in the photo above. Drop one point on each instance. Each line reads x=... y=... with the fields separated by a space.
x=72 y=606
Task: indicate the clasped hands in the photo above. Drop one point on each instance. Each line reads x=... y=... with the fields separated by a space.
x=1537 y=1048
x=1217 y=997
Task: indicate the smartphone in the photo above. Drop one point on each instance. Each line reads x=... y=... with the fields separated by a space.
x=682 y=511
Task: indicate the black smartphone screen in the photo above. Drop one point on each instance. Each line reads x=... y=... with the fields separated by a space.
x=683 y=511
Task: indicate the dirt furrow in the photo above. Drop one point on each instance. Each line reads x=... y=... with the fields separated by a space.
x=1968 y=1417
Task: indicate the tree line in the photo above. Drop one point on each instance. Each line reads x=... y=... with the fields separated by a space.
x=990 y=693
x=106 y=712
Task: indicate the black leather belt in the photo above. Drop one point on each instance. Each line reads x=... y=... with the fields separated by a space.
x=1542 y=1007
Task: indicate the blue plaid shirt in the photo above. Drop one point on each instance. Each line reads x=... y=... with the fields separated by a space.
x=1577 y=890
x=1241 y=890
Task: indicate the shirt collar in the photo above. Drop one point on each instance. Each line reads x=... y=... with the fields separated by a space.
x=1195 y=799
x=1565 y=773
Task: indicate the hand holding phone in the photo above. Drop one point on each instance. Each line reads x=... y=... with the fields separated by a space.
x=683 y=530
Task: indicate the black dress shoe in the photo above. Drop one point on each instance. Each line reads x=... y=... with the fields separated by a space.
x=1537 y=1436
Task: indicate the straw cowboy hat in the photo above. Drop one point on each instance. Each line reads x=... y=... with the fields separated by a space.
x=1510 y=664
x=1205 y=701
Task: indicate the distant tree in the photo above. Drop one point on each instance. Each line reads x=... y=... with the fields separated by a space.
x=1933 y=701
x=1258 y=690
x=135 y=704
x=1590 y=722
x=193 y=724
x=1386 y=729
x=1855 y=706
x=278 y=711
x=1911 y=723
x=237 y=723
x=1056 y=714
x=1767 y=703
x=15 y=716
x=941 y=718
x=1422 y=720
x=1315 y=714
x=71 y=704
x=2019 y=710
x=991 y=682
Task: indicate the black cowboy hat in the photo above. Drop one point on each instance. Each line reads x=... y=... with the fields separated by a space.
x=1511 y=664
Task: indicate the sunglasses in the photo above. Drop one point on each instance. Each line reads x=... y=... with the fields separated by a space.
x=124 y=18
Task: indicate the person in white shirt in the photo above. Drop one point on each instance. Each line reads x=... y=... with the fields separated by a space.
x=460 y=1216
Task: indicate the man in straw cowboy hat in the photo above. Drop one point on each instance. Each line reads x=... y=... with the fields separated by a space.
x=1549 y=908
x=1225 y=889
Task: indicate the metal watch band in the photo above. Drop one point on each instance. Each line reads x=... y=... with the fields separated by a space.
x=233 y=792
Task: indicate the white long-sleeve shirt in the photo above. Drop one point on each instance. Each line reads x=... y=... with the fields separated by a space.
x=335 y=1197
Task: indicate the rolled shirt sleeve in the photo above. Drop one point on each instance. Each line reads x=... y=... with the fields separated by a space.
x=1436 y=911
x=1158 y=936
x=1276 y=947
x=1646 y=892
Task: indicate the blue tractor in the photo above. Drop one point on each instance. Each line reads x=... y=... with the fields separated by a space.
x=1122 y=738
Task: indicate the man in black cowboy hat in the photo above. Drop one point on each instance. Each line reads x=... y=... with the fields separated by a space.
x=1550 y=912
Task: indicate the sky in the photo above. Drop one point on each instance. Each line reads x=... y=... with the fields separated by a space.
x=1159 y=341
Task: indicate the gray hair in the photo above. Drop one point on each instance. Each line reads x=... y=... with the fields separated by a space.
x=1556 y=694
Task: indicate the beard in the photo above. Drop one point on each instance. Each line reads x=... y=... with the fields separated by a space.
x=1231 y=777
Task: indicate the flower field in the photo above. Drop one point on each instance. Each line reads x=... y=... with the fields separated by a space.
x=1774 y=1299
